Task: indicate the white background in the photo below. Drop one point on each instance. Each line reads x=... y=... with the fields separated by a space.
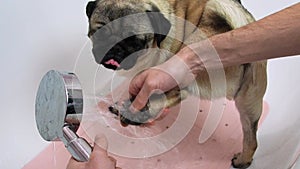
x=36 y=36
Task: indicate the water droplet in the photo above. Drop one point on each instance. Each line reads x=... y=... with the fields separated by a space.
x=54 y=154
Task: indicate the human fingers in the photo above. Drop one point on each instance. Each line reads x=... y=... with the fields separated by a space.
x=137 y=83
x=141 y=98
x=151 y=81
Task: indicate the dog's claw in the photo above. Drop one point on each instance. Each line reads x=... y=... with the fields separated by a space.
x=129 y=118
x=113 y=110
x=236 y=162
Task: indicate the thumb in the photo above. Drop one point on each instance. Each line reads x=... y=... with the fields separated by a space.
x=75 y=164
x=100 y=147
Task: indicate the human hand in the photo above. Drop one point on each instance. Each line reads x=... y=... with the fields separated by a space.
x=99 y=158
x=174 y=72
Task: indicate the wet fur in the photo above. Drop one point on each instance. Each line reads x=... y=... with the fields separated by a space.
x=246 y=84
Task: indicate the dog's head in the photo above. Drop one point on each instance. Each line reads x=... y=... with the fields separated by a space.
x=119 y=29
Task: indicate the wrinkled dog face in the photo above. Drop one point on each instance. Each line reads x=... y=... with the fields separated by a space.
x=119 y=29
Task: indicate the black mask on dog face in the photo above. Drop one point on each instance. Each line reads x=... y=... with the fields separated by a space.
x=118 y=51
x=119 y=32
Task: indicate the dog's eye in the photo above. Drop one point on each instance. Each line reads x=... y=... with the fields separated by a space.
x=98 y=25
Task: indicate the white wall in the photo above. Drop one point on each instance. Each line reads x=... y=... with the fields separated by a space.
x=279 y=137
x=36 y=36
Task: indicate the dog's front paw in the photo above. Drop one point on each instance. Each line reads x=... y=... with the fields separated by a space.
x=149 y=112
x=241 y=162
x=129 y=118
x=156 y=104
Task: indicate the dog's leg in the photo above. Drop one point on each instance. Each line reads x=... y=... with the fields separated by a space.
x=249 y=102
x=166 y=100
x=175 y=96
x=249 y=114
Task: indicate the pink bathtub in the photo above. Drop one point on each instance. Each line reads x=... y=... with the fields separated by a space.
x=215 y=153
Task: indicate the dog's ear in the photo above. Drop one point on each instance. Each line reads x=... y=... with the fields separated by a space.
x=160 y=25
x=90 y=7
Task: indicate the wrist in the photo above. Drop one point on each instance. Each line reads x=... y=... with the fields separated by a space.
x=178 y=69
x=191 y=59
x=203 y=56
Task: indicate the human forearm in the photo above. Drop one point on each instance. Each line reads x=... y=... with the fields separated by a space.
x=275 y=36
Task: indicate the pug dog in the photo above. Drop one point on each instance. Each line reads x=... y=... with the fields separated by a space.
x=123 y=31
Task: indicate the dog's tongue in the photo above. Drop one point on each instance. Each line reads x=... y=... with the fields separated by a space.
x=112 y=62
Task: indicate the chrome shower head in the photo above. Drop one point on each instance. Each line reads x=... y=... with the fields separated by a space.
x=58 y=111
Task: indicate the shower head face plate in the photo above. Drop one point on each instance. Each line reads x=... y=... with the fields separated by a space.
x=59 y=94
x=51 y=106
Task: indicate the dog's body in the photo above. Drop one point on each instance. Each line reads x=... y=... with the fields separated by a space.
x=245 y=84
